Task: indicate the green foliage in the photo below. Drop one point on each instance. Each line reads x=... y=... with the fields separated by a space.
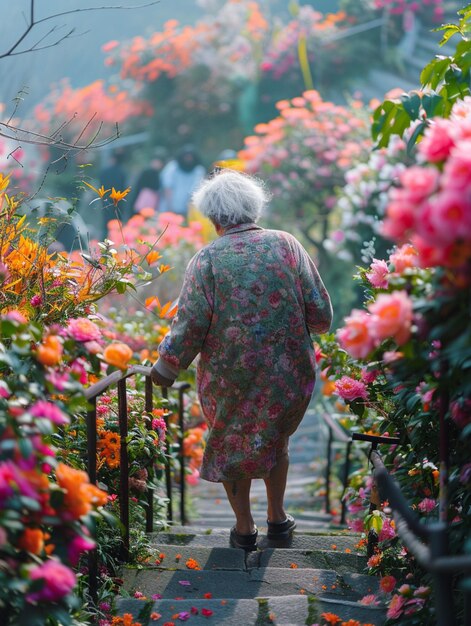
x=444 y=80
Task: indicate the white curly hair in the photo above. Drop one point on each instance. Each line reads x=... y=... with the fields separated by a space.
x=230 y=198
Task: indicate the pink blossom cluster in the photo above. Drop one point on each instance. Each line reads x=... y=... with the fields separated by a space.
x=407 y=601
x=282 y=53
x=388 y=317
x=307 y=149
x=398 y=7
x=432 y=206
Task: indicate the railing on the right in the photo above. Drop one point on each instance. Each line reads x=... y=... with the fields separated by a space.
x=428 y=543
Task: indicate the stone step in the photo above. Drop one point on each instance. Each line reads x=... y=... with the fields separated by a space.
x=290 y=610
x=250 y=584
x=323 y=539
x=171 y=557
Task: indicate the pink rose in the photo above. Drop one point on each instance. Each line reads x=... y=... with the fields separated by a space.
x=396 y=605
x=449 y=215
x=49 y=411
x=59 y=581
x=404 y=257
x=378 y=274
x=391 y=317
x=457 y=170
x=350 y=389
x=355 y=336
x=83 y=329
x=387 y=583
x=420 y=182
x=437 y=141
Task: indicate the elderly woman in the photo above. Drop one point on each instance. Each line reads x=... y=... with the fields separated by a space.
x=249 y=301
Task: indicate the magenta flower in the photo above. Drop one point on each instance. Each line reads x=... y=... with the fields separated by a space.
x=59 y=581
x=77 y=546
x=83 y=329
x=49 y=411
x=36 y=301
x=350 y=389
x=378 y=274
x=427 y=505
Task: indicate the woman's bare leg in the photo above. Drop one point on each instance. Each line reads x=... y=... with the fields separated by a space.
x=276 y=485
x=238 y=494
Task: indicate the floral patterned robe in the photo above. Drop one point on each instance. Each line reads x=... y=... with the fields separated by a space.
x=248 y=303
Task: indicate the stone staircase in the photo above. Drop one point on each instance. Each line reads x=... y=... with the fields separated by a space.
x=199 y=578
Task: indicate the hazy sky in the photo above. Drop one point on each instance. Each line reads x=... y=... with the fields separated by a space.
x=79 y=58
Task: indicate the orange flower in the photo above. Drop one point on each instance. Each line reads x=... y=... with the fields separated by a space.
x=80 y=495
x=293 y=566
x=32 y=540
x=331 y=618
x=125 y=620
x=49 y=352
x=100 y=192
x=117 y=196
x=192 y=564
x=118 y=354
x=153 y=256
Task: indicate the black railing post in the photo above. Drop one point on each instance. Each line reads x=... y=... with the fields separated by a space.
x=92 y=473
x=443 y=588
x=148 y=406
x=123 y=465
x=328 y=470
x=181 y=426
x=168 y=469
x=346 y=473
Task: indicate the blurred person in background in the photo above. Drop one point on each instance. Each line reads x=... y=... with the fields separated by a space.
x=179 y=178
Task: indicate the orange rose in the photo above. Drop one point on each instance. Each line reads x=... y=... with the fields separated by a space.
x=80 y=495
x=32 y=540
x=118 y=354
x=49 y=352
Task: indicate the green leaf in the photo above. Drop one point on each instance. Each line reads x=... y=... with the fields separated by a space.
x=411 y=104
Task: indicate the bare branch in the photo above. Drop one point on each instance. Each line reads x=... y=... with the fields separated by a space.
x=34 y=22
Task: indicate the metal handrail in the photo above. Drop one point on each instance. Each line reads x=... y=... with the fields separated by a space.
x=91 y=393
x=336 y=433
x=428 y=543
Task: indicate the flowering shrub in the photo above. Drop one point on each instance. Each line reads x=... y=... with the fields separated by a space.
x=361 y=204
x=424 y=8
x=304 y=153
x=46 y=506
x=408 y=346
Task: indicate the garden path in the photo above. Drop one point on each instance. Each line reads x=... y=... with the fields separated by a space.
x=201 y=579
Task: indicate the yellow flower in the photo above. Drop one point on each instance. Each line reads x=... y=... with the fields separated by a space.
x=100 y=192
x=117 y=196
x=4 y=181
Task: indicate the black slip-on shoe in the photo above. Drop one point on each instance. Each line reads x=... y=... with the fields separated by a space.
x=281 y=530
x=245 y=542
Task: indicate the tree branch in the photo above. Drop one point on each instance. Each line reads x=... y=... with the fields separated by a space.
x=34 y=22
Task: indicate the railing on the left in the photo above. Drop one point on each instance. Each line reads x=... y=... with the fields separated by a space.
x=92 y=393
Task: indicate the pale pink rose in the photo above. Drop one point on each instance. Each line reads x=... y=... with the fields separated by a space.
x=449 y=215
x=422 y=592
x=15 y=316
x=350 y=389
x=355 y=336
x=420 y=182
x=427 y=505
x=404 y=257
x=396 y=605
x=391 y=317
x=378 y=274
x=457 y=170
x=83 y=329
x=391 y=355
x=59 y=581
x=437 y=141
